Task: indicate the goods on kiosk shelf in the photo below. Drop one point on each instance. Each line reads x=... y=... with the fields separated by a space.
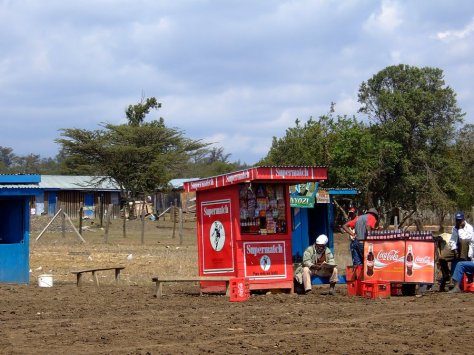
x=262 y=209
x=398 y=234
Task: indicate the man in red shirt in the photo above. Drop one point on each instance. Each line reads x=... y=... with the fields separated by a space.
x=357 y=228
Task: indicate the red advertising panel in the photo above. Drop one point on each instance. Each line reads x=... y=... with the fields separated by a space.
x=419 y=261
x=384 y=260
x=265 y=260
x=288 y=174
x=217 y=239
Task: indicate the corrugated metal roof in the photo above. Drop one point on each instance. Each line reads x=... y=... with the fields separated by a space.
x=84 y=182
x=178 y=183
x=19 y=186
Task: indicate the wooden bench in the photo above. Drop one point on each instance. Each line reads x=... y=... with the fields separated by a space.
x=79 y=273
x=161 y=280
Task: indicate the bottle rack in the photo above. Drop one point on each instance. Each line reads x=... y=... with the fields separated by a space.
x=398 y=234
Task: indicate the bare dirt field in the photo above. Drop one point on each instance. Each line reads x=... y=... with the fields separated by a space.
x=127 y=319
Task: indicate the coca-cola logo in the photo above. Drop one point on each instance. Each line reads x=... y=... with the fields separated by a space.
x=423 y=260
x=240 y=287
x=391 y=255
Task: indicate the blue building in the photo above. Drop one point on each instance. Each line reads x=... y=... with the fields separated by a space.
x=15 y=194
x=312 y=215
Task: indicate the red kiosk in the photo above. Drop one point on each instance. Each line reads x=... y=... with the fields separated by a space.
x=244 y=225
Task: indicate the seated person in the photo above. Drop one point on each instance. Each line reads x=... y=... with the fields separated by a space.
x=457 y=249
x=463 y=267
x=314 y=257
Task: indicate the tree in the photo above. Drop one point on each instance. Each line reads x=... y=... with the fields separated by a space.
x=140 y=156
x=136 y=113
x=347 y=146
x=416 y=114
x=463 y=153
x=209 y=162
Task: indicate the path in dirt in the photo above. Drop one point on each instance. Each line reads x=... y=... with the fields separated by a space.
x=129 y=320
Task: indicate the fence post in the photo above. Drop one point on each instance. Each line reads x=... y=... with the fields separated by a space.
x=143 y=223
x=173 y=219
x=180 y=226
x=63 y=224
x=107 y=223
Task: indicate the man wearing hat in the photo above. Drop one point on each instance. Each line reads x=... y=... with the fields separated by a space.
x=357 y=229
x=318 y=260
x=457 y=248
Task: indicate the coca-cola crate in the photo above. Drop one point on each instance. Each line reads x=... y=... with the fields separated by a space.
x=376 y=289
x=239 y=290
x=354 y=272
x=396 y=289
x=354 y=288
x=466 y=285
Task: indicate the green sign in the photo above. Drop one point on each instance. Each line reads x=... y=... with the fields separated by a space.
x=302 y=201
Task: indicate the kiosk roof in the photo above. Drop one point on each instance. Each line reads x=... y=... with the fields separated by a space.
x=287 y=174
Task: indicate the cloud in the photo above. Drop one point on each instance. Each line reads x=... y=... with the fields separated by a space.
x=453 y=35
x=237 y=72
x=384 y=20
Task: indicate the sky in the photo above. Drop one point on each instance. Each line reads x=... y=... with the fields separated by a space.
x=230 y=72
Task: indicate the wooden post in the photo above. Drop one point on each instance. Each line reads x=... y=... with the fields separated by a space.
x=63 y=224
x=124 y=225
x=180 y=226
x=143 y=222
x=107 y=223
x=101 y=212
x=173 y=219
x=47 y=226
x=73 y=227
x=81 y=211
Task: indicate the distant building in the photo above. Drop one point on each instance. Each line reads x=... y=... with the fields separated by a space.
x=174 y=194
x=94 y=193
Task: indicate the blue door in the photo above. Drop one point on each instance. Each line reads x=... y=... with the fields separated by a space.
x=299 y=235
x=52 y=199
x=89 y=205
x=14 y=240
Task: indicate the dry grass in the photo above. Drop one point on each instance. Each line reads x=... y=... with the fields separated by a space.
x=160 y=254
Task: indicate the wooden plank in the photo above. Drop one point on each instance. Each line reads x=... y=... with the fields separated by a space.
x=192 y=278
x=94 y=272
x=96 y=279
x=160 y=280
x=98 y=269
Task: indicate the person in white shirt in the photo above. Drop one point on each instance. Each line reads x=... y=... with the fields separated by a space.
x=463 y=267
x=459 y=247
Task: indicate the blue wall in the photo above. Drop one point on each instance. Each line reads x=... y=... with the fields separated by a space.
x=14 y=239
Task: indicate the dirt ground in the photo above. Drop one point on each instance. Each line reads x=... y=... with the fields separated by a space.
x=127 y=319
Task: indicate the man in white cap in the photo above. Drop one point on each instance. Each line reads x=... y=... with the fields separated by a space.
x=318 y=260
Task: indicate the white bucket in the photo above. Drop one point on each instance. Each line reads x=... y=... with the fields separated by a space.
x=45 y=280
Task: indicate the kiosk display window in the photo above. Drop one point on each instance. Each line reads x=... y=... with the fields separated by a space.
x=262 y=209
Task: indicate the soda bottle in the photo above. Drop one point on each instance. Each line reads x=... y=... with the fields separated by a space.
x=409 y=261
x=370 y=260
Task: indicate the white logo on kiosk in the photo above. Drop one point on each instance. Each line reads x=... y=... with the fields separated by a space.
x=265 y=262
x=217 y=235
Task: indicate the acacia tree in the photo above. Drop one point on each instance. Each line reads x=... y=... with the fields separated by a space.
x=416 y=114
x=140 y=156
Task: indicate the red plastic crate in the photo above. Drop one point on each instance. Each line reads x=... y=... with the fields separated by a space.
x=355 y=272
x=354 y=288
x=376 y=289
x=467 y=287
x=396 y=290
x=239 y=290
